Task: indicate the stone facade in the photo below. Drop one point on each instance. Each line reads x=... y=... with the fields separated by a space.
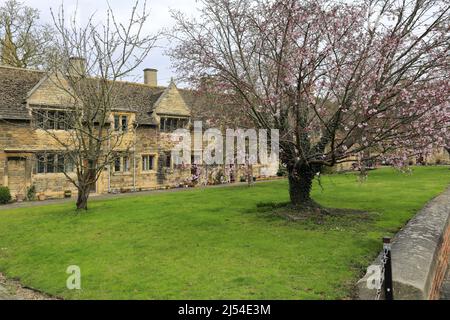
x=20 y=142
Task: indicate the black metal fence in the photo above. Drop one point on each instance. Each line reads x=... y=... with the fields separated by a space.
x=387 y=270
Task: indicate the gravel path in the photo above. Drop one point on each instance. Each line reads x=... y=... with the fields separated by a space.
x=13 y=290
x=4 y=294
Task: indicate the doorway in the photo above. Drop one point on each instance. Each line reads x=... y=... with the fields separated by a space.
x=17 y=175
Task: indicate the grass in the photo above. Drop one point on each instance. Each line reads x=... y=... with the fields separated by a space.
x=214 y=243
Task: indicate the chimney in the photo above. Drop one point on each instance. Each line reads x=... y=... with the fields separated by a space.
x=77 y=66
x=151 y=77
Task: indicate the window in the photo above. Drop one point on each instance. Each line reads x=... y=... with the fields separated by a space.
x=60 y=164
x=148 y=163
x=172 y=124
x=40 y=164
x=53 y=163
x=120 y=123
x=117 y=164
x=122 y=164
x=168 y=160
x=52 y=120
x=40 y=120
x=70 y=166
x=126 y=164
x=51 y=123
x=62 y=120
x=124 y=123
x=117 y=122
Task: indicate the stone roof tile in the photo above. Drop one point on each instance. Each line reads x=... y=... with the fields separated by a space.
x=16 y=83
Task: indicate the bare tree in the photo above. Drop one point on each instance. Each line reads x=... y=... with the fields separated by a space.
x=91 y=60
x=24 y=40
x=339 y=81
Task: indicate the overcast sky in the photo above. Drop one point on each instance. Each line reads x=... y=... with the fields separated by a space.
x=159 y=14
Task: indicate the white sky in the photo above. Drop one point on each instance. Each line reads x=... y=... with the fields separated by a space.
x=159 y=18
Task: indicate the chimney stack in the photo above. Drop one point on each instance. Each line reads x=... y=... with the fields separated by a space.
x=77 y=66
x=151 y=77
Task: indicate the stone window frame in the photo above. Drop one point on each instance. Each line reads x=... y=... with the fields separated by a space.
x=121 y=122
x=154 y=162
x=58 y=118
x=126 y=164
x=56 y=166
x=181 y=122
x=117 y=165
x=168 y=160
x=120 y=161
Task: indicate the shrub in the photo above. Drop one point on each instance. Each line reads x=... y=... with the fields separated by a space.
x=31 y=193
x=5 y=195
x=219 y=177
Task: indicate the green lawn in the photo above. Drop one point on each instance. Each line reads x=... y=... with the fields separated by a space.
x=213 y=243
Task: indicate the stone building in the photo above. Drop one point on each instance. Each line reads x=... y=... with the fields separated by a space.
x=156 y=110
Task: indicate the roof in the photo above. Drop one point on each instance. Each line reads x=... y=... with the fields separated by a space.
x=15 y=84
x=139 y=98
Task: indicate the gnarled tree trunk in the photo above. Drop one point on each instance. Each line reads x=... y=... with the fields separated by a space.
x=300 y=186
x=83 y=196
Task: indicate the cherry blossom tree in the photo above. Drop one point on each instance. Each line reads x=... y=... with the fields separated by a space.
x=216 y=110
x=366 y=80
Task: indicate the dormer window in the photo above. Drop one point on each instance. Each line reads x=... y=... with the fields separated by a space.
x=52 y=120
x=124 y=123
x=116 y=122
x=169 y=124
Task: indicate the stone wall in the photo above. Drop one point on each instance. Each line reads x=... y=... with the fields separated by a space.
x=50 y=92
x=3 y=180
x=442 y=260
x=439 y=156
x=53 y=185
x=420 y=254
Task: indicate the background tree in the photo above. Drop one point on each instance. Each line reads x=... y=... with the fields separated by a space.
x=24 y=40
x=338 y=80
x=90 y=91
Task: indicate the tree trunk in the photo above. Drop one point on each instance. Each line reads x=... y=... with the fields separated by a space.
x=300 y=185
x=249 y=175
x=83 y=196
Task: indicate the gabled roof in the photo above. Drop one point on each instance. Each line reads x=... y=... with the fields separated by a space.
x=17 y=84
x=171 y=102
x=139 y=98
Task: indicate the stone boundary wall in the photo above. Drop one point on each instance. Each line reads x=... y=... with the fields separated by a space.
x=442 y=265
x=420 y=254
